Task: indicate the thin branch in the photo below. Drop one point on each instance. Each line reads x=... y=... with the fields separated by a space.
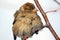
x=57 y=2
x=55 y=10
x=52 y=11
x=46 y=20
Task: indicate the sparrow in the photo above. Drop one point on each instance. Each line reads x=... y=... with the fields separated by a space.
x=26 y=22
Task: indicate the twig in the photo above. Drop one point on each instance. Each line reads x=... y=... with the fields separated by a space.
x=57 y=2
x=46 y=20
x=52 y=11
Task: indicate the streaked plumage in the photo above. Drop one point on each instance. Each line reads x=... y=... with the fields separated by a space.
x=26 y=21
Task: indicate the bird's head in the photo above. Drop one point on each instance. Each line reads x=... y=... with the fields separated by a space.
x=28 y=7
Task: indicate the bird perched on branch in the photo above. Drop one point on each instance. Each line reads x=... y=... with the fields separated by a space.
x=26 y=22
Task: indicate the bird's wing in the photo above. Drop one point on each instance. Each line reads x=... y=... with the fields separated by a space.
x=15 y=15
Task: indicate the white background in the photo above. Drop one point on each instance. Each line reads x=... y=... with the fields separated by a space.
x=8 y=8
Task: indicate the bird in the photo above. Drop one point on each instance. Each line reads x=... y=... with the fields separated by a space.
x=26 y=22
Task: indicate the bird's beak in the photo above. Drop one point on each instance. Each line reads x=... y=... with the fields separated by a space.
x=34 y=10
